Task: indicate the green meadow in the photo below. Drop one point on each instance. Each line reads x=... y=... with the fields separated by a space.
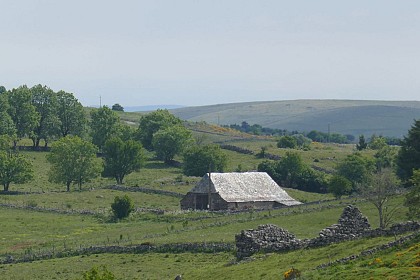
x=41 y=217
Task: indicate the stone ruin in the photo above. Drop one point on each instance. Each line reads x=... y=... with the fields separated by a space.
x=351 y=225
x=265 y=238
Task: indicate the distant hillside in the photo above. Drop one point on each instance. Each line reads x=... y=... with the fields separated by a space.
x=388 y=118
x=150 y=108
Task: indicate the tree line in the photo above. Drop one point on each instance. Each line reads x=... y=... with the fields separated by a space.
x=39 y=113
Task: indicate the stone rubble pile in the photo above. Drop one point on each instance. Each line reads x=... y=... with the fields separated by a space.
x=351 y=225
x=265 y=238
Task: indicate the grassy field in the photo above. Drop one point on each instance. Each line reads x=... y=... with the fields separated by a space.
x=397 y=263
x=41 y=217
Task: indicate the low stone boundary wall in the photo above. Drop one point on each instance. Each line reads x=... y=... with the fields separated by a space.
x=351 y=225
x=136 y=249
x=50 y=210
x=236 y=149
x=144 y=190
x=391 y=244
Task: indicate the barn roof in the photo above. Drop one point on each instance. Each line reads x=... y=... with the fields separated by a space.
x=244 y=187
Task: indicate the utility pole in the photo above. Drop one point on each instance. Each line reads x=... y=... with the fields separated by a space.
x=100 y=101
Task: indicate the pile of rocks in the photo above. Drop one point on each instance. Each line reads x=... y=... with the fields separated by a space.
x=268 y=238
x=352 y=224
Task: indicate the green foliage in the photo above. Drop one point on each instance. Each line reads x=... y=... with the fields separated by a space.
x=412 y=199
x=385 y=157
x=73 y=160
x=291 y=172
x=22 y=111
x=71 y=115
x=171 y=141
x=104 y=125
x=199 y=159
x=152 y=123
x=289 y=168
x=287 y=142
x=362 y=143
x=45 y=102
x=127 y=133
x=7 y=126
x=122 y=206
x=302 y=141
x=377 y=143
x=14 y=168
x=5 y=142
x=356 y=168
x=121 y=158
x=408 y=157
x=339 y=186
x=117 y=107
x=95 y=274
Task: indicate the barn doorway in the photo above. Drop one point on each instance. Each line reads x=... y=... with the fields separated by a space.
x=201 y=202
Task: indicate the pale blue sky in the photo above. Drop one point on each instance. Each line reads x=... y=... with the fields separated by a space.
x=210 y=52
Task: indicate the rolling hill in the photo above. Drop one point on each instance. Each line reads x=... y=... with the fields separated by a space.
x=387 y=118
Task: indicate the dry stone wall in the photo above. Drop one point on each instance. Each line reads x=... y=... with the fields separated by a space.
x=351 y=225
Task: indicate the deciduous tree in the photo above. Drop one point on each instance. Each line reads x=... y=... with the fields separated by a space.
x=71 y=115
x=14 y=168
x=73 y=160
x=171 y=141
x=22 y=111
x=339 y=186
x=380 y=187
x=152 y=123
x=290 y=171
x=121 y=158
x=105 y=124
x=199 y=159
x=44 y=100
x=117 y=107
x=356 y=168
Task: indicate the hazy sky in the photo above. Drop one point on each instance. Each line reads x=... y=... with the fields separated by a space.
x=209 y=52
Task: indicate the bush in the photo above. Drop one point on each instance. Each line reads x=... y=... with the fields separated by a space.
x=122 y=207
x=287 y=142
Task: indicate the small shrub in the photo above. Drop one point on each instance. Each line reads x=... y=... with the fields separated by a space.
x=122 y=207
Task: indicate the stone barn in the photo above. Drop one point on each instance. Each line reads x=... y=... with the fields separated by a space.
x=237 y=191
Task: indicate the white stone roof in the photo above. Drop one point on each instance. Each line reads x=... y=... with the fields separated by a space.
x=244 y=187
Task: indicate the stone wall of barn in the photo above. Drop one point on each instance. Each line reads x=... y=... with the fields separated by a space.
x=190 y=201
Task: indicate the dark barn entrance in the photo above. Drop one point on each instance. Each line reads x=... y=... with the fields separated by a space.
x=201 y=201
